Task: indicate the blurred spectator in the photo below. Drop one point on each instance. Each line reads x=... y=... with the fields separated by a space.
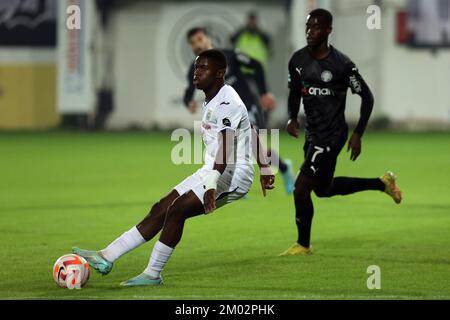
x=105 y=94
x=252 y=41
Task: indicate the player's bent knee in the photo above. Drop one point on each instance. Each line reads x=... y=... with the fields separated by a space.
x=303 y=186
x=157 y=209
x=175 y=212
x=302 y=190
x=163 y=205
x=301 y=193
x=322 y=193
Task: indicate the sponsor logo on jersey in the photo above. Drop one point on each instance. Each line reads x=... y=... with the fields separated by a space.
x=355 y=84
x=326 y=76
x=313 y=91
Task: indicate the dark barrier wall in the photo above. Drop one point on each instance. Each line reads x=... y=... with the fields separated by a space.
x=28 y=23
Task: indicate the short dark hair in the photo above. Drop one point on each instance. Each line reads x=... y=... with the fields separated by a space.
x=194 y=30
x=217 y=56
x=324 y=14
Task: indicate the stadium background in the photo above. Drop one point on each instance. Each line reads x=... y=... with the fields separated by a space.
x=143 y=49
x=63 y=185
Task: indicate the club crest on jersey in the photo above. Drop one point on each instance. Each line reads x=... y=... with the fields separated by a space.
x=327 y=76
x=208 y=115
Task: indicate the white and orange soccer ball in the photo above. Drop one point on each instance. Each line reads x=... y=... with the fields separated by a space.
x=71 y=271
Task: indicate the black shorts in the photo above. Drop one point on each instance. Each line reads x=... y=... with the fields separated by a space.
x=320 y=159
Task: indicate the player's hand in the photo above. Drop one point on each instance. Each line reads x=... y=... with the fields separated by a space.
x=267 y=179
x=292 y=127
x=268 y=102
x=354 y=144
x=209 y=200
x=192 y=106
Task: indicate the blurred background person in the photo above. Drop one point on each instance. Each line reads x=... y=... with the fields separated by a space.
x=252 y=40
x=256 y=43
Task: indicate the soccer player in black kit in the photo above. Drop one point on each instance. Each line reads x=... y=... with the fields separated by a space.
x=199 y=41
x=320 y=75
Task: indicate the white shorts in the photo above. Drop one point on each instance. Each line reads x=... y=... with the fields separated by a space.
x=233 y=184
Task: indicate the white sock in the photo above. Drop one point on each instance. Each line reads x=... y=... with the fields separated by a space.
x=123 y=244
x=160 y=255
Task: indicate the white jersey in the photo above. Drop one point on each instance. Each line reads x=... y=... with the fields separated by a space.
x=226 y=111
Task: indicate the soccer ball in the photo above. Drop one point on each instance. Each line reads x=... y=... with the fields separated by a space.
x=71 y=271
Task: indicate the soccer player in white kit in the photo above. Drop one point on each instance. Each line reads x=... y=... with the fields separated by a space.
x=226 y=176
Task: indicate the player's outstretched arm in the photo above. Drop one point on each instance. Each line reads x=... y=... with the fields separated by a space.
x=267 y=179
x=224 y=156
x=360 y=87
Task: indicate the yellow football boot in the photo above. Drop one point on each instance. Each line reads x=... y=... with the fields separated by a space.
x=296 y=249
x=389 y=179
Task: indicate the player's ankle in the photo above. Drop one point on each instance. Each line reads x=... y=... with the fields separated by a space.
x=103 y=256
x=151 y=274
x=304 y=246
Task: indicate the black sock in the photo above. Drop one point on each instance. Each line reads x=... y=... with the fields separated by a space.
x=304 y=212
x=345 y=185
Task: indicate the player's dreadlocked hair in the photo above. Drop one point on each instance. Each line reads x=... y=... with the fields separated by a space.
x=324 y=14
x=217 y=56
x=194 y=30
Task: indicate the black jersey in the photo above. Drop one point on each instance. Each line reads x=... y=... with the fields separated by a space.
x=323 y=84
x=234 y=76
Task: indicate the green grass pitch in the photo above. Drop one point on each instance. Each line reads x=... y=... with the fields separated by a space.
x=60 y=189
